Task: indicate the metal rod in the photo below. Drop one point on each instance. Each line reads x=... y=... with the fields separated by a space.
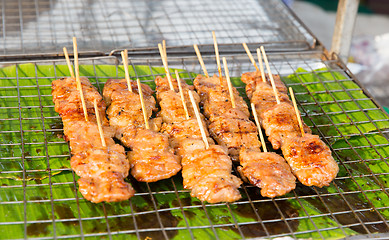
x=344 y=27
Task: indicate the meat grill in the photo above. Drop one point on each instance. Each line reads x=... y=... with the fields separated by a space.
x=38 y=192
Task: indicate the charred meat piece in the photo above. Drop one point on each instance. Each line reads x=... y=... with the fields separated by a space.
x=124 y=106
x=234 y=133
x=207 y=173
x=102 y=169
x=268 y=171
x=215 y=98
x=66 y=97
x=254 y=81
x=151 y=158
x=310 y=160
x=280 y=122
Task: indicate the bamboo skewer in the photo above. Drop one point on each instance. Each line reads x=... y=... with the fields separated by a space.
x=143 y=104
x=78 y=81
x=97 y=113
x=201 y=126
x=297 y=111
x=261 y=66
x=259 y=127
x=164 y=61
x=182 y=95
x=227 y=73
x=250 y=56
x=270 y=74
x=219 y=68
x=200 y=60
x=65 y=52
x=125 y=66
x=164 y=48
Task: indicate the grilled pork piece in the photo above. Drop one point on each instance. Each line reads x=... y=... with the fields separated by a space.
x=151 y=158
x=234 y=133
x=254 y=80
x=102 y=169
x=281 y=121
x=229 y=126
x=216 y=98
x=310 y=160
x=268 y=171
x=207 y=173
x=67 y=100
x=172 y=110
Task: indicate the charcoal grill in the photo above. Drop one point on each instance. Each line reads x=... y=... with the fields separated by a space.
x=38 y=190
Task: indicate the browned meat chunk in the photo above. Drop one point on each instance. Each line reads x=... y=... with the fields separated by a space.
x=151 y=158
x=216 y=98
x=268 y=171
x=102 y=169
x=235 y=133
x=207 y=173
x=310 y=160
x=280 y=122
x=254 y=81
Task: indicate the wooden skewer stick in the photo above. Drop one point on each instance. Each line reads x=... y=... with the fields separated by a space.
x=125 y=66
x=201 y=126
x=297 y=111
x=143 y=104
x=219 y=68
x=164 y=61
x=78 y=81
x=259 y=127
x=97 y=113
x=261 y=66
x=250 y=56
x=164 y=48
x=65 y=52
x=182 y=95
x=229 y=82
x=270 y=75
x=200 y=60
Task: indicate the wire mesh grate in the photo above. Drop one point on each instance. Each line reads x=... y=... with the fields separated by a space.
x=40 y=200
x=45 y=26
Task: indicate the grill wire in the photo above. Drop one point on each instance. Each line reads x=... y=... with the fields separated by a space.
x=45 y=26
x=348 y=206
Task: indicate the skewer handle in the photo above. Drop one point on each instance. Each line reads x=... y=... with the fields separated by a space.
x=200 y=60
x=97 y=113
x=219 y=68
x=182 y=95
x=143 y=104
x=125 y=66
x=261 y=69
x=201 y=126
x=259 y=127
x=164 y=61
x=78 y=81
x=297 y=111
x=270 y=75
x=229 y=82
x=65 y=52
x=250 y=56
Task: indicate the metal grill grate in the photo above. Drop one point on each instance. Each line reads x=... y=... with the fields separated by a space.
x=44 y=203
x=45 y=26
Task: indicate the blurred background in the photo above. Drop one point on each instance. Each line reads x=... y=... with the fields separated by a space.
x=369 y=54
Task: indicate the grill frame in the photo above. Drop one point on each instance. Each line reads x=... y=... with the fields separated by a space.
x=45 y=26
x=281 y=63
